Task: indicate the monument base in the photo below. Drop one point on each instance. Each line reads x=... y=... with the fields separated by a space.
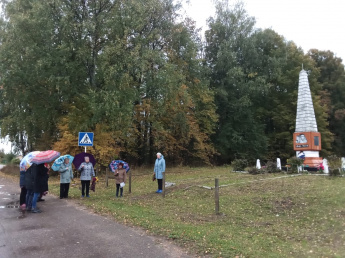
x=312 y=162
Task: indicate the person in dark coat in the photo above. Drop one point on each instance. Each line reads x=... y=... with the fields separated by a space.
x=29 y=185
x=22 y=199
x=40 y=184
x=45 y=186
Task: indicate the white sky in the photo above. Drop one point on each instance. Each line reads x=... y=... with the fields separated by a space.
x=5 y=145
x=310 y=24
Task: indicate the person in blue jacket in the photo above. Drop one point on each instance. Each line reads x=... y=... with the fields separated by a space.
x=159 y=169
x=66 y=175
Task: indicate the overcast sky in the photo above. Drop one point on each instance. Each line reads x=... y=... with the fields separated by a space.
x=310 y=24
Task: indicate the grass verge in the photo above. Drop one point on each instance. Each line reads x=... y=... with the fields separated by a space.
x=301 y=216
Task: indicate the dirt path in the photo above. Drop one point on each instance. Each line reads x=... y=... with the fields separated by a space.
x=64 y=229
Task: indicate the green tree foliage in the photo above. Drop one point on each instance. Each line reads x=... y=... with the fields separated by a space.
x=28 y=101
x=255 y=77
x=281 y=62
x=127 y=66
x=140 y=77
x=332 y=80
x=229 y=53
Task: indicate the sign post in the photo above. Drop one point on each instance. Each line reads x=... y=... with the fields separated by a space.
x=85 y=139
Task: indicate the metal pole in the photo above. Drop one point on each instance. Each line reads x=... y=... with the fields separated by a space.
x=95 y=170
x=163 y=192
x=216 y=195
x=130 y=182
x=85 y=149
x=106 y=177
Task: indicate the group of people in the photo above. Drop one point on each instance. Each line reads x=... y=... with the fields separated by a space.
x=87 y=172
x=34 y=181
x=159 y=169
x=34 y=184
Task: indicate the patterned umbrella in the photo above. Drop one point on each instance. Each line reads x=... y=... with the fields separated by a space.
x=79 y=158
x=25 y=163
x=115 y=163
x=45 y=157
x=57 y=163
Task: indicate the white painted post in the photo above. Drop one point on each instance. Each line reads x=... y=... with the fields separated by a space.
x=325 y=165
x=258 y=166
x=85 y=149
x=279 y=164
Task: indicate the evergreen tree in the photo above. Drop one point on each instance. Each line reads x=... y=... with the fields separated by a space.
x=229 y=52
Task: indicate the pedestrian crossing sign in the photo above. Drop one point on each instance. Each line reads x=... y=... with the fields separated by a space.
x=85 y=139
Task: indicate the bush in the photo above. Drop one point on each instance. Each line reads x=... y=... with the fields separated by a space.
x=53 y=173
x=295 y=163
x=239 y=164
x=15 y=161
x=334 y=163
x=334 y=172
x=271 y=167
x=8 y=158
x=254 y=171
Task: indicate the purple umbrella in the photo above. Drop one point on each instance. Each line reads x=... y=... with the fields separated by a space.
x=79 y=158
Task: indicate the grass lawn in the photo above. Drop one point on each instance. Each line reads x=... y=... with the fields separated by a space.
x=301 y=216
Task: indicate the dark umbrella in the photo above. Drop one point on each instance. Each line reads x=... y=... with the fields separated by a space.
x=79 y=158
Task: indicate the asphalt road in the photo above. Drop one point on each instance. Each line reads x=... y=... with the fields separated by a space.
x=65 y=229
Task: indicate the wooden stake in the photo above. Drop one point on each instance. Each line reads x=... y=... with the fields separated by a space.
x=130 y=182
x=216 y=195
x=106 y=177
x=163 y=192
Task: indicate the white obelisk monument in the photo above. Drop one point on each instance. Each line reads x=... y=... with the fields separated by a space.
x=306 y=139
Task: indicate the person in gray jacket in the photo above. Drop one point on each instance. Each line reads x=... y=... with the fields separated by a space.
x=87 y=172
x=66 y=174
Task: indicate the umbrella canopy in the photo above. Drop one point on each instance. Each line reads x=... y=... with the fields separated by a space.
x=79 y=158
x=45 y=156
x=57 y=163
x=115 y=163
x=25 y=163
